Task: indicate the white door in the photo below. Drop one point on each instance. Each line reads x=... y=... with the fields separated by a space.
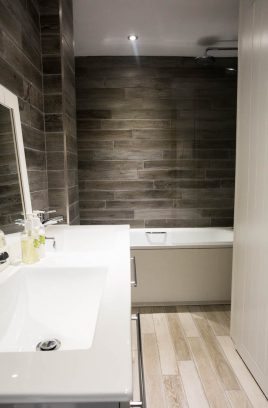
x=249 y=323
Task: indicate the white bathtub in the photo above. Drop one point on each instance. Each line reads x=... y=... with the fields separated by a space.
x=182 y=265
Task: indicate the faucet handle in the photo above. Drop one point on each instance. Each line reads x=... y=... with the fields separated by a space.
x=43 y=215
x=20 y=221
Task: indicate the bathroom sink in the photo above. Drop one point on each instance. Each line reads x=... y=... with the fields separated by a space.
x=80 y=295
x=45 y=302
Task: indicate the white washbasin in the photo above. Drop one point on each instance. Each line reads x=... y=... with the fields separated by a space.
x=81 y=295
x=51 y=302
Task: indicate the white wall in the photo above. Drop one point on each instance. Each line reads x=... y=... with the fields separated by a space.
x=249 y=324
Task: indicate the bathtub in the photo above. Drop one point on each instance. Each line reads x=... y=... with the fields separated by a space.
x=182 y=265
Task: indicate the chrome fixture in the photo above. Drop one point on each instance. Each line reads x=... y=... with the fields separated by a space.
x=207 y=59
x=54 y=241
x=134 y=282
x=3 y=257
x=45 y=220
x=142 y=402
x=132 y=37
x=20 y=221
x=48 y=345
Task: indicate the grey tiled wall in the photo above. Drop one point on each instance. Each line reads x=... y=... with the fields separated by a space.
x=156 y=141
x=37 y=64
x=69 y=110
x=21 y=73
x=60 y=111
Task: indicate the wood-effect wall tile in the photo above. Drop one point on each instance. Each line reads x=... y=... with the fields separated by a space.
x=174 y=119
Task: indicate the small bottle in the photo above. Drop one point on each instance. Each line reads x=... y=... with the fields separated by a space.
x=40 y=231
x=29 y=242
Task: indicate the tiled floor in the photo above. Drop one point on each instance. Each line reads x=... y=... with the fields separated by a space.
x=190 y=360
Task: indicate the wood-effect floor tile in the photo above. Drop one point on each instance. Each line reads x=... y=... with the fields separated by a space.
x=196 y=371
x=216 y=355
x=218 y=320
x=165 y=345
x=238 y=399
x=174 y=392
x=213 y=389
x=193 y=388
x=248 y=383
x=188 y=324
x=178 y=338
x=155 y=396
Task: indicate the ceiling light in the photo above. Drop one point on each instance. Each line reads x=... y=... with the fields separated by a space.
x=132 y=37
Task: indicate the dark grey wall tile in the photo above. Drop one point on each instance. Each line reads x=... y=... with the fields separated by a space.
x=55 y=160
x=56 y=179
x=60 y=106
x=50 y=23
x=95 y=195
x=53 y=103
x=52 y=84
x=107 y=214
x=55 y=141
x=57 y=198
x=159 y=137
x=35 y=159
x=53 y=122
x=116 y=185
x=111 y=221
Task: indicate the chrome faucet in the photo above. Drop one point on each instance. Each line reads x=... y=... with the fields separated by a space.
x=45 y=220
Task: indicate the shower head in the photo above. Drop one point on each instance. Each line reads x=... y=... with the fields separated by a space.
x=206 y=59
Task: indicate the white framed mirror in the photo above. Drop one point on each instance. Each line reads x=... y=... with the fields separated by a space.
x=15 y=200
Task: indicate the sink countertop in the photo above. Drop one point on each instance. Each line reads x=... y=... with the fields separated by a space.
x=102 y=372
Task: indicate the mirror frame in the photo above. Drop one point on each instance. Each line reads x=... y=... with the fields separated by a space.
x=10 y=101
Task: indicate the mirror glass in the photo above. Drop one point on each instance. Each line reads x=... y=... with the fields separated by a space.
x=11 y=203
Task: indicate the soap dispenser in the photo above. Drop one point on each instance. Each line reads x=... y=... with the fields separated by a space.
x=30 y=242
x=39 y=230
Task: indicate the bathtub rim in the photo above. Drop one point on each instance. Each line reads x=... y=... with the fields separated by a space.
x=188 y=245
x=198 y=245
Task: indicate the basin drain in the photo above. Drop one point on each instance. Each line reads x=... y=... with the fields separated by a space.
x=48 y=345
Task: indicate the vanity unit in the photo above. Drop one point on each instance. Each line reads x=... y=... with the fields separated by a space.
x=65 y=321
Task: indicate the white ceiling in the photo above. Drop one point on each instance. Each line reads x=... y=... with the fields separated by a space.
x=164 y=27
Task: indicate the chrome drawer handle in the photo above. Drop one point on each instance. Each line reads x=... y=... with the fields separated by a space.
x=142 y=402
x=134 y=282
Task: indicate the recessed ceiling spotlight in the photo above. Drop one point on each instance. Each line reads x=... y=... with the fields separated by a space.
x=132 y=37
x=230 y=69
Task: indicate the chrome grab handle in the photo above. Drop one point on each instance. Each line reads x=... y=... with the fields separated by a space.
x=156 y=232
x=142 y=402
x=134 y=282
